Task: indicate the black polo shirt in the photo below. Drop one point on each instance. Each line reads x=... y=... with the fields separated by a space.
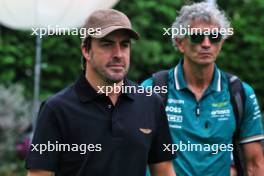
x=91 y=137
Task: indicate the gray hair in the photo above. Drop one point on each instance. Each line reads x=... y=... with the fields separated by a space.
x=204 y=11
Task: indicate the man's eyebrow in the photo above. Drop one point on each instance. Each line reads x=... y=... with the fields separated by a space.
x=126 y=41
x=112 y=41
x=107 y=40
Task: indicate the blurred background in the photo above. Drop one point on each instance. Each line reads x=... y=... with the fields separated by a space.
x=242 y=54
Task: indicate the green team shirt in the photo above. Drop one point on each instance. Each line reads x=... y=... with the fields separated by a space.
x=202 y=130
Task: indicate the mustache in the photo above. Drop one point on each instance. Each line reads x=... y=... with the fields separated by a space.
x=115 y=63
x=205 y=50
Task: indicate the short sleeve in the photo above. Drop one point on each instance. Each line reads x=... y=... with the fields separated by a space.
x=42 y=154
x=162 y=138
x=251 y=127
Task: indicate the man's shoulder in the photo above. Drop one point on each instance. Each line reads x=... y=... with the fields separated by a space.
x=149 y=82
x=66 y=94
x=248 y=89
x=250 y=96
x=144 y=94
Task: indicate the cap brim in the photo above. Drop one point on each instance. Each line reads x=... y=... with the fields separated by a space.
x=104 y=32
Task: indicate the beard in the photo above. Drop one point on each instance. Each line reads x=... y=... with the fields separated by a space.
x=105 y=73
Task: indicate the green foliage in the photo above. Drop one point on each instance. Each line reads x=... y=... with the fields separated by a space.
x=60 y=60
x=154 y=50
x=241 y=54
x=13 y=166
x=15 y=117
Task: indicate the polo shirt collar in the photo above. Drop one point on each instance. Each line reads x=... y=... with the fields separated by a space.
x=180 y=82
x=178 y=76
x=216 y=82
x=86 y=92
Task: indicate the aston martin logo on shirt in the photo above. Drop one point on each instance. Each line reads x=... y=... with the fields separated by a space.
x=145 y=130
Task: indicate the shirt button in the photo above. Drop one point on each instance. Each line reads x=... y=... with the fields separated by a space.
x=109 y=106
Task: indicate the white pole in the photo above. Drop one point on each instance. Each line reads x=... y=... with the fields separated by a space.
x=0 y=34
x=211 y=1
x=37 y=73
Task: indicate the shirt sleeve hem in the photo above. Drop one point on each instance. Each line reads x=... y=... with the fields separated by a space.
x=40 y=165
x=155 y=161
x=252 y=139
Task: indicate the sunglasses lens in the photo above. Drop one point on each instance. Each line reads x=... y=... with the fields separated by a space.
x=215 y=38
x=197 y=38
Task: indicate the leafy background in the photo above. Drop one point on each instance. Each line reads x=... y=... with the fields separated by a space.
x=241 y=54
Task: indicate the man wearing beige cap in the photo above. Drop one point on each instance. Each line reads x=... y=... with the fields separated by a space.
x=90 y=128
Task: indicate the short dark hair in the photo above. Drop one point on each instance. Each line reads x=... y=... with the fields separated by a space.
x=87 y=43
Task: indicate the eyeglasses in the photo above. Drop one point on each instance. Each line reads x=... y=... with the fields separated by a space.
x=199 y=37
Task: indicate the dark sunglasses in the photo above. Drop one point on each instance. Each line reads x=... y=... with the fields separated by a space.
x=199 y=38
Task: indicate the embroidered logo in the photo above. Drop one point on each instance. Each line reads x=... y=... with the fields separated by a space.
x=145 y=130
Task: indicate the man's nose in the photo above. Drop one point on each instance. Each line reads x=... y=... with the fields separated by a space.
x=118 y=51
x=206 y=42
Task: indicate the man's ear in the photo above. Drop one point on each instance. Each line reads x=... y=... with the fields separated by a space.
x=85 y=53
x=179 y=44
x=223 y=41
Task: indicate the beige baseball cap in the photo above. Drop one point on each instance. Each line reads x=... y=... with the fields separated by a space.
x=107 y=21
